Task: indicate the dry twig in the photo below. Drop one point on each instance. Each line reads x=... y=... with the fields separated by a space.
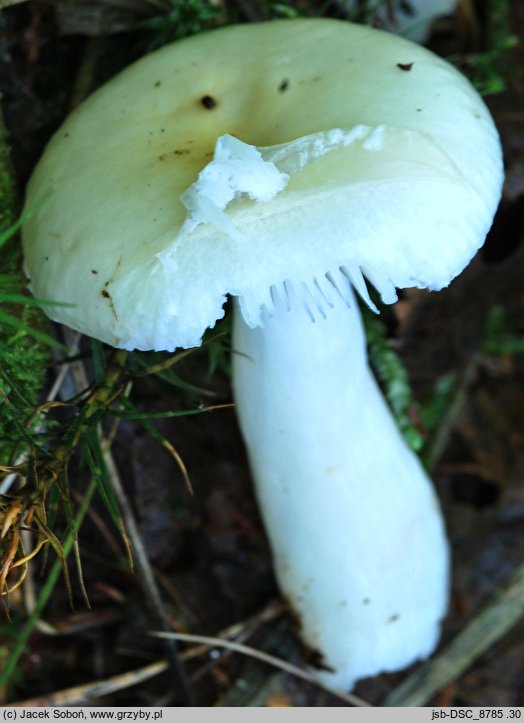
x=265 y=658
x=81 y=694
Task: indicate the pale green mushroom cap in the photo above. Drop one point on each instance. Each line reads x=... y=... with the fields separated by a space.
x=391 y=162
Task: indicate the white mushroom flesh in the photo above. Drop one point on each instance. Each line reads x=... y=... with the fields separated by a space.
x=355 y=527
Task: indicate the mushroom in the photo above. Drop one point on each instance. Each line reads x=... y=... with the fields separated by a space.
x=281 y=163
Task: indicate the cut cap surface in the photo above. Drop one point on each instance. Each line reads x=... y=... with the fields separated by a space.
x=392 y=163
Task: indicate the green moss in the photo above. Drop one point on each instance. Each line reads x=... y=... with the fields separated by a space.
x=179 y=20
x=392 y=376
x=23 y=361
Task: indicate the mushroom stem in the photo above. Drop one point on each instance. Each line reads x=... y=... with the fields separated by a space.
x=355 y=527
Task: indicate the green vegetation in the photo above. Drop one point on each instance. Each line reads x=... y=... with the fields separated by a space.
x=489 y=68
x=393 y=377
x=177 y=20
x=503 y=335
x=23 y=350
